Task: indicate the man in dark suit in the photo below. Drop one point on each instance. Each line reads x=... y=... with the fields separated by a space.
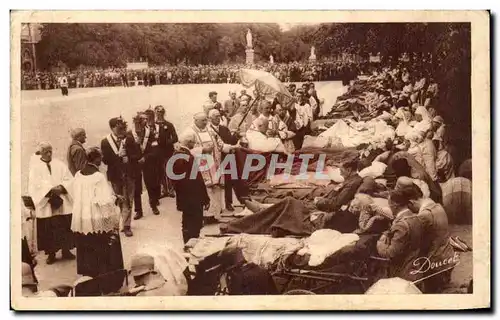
x=231 y=105
x=229 y=140
x=117 y=155
x=152 y=161
x=137 y=138
x=77 y=156
x=191 y=194
x=167 y=138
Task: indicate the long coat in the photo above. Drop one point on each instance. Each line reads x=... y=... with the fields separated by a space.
x=189 y=192
x=167 y=138
x=76 y=157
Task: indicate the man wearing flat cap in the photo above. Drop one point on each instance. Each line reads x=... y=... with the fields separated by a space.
x=77 y=157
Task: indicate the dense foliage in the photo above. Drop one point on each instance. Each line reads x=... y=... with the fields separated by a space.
x=104 y=45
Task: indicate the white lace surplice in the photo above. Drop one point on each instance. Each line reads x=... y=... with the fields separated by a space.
x=94 y=207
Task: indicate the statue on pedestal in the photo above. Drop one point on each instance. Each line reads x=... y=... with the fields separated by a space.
x=313 y=53
x=271 y=59
x=249 y=39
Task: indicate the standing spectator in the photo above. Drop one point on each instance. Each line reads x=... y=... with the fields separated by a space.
x=167 y=139
x=231 y=105
x=63 y=83
x=77 y=157
x=152 y=161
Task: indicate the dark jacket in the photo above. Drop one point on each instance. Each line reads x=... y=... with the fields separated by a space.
x=225 y=135
x=190 y=193
x=76 y=157
x=166 y=139
x=117 y=170
x=152 y=151
x=402 y=245
x=436 y=244
x=134 y=153
x=231 y=106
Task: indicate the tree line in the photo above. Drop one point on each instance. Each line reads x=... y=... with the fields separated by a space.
x=113 y=45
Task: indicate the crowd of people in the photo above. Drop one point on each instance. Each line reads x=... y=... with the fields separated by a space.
x=159 y=75
x=403 y=142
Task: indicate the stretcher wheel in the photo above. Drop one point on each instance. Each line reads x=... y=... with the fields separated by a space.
x=297 y=292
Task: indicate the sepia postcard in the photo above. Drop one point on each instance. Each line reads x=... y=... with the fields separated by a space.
x=250 y=160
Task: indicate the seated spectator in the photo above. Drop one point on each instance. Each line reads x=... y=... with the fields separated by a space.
x=402 y=242
x=435 y=245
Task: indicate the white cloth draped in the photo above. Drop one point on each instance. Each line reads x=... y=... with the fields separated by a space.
x=260 y=142
x=41 y=181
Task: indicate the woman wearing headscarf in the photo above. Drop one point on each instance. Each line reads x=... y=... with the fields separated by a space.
x=429 y=156
x=423 y=119
x=444 y=162
x=96 y=220
x=415 y=139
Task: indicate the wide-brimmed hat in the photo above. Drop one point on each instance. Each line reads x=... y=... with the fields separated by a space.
x=141 y=264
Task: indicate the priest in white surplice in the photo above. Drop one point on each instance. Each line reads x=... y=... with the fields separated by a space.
x=206 y=144
x=96 y=220
x=259 y=140
x=49 y=180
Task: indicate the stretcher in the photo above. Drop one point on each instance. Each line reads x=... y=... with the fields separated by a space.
x=351 y=270
x=353 y=277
